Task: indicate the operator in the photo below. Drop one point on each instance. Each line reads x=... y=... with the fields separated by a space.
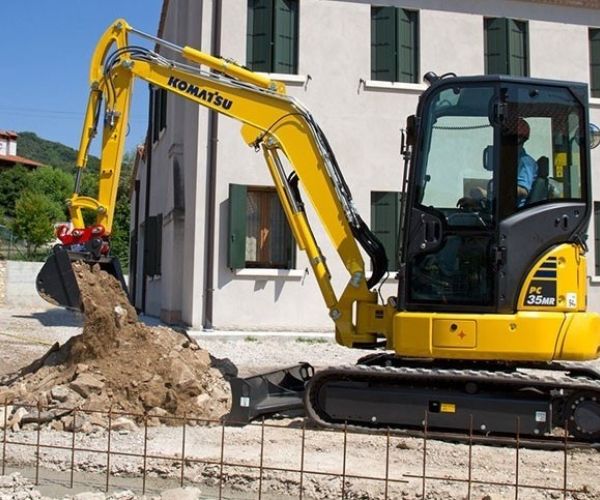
x=528 y=168
x=526 y=173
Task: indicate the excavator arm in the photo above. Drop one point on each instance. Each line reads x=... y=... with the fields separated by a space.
x=272 y=121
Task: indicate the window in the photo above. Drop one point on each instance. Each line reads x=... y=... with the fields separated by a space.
x=460 y=133
x=595 y=62
x=272 y=40
x=259 y=234
x=159 y=112
x=153 y=245
x=506 y=47
x=385 y=222
x=394 y=45
x=540 y=147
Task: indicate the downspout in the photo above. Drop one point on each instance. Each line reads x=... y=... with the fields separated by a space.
x=135 y=250
x=147 y=195
x=211 y=183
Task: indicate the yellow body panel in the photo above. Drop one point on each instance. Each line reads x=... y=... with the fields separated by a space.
x=556 y=282
x=551 y=323
x=452 y=333
x=524 y=336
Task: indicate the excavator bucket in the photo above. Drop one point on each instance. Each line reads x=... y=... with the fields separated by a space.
x=56 y=282
x=279 y=392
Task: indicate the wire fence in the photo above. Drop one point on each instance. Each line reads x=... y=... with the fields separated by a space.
x=11 y=248
x=221 y=456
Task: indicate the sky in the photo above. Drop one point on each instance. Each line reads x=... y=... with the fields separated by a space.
x=46 y=49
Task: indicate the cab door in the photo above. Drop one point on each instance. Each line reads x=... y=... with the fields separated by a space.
x=451 y=237
x=543 y=145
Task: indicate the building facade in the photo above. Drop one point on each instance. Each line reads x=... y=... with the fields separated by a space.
x=209 y=245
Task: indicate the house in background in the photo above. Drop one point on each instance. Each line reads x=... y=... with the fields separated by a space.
x=358 y=66
x=8 y=152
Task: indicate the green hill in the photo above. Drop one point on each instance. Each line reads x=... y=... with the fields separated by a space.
x=51 y=153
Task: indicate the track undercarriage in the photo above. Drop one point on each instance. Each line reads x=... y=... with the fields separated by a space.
x=536 y=402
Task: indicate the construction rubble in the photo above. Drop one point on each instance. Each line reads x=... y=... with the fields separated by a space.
x=117 y=364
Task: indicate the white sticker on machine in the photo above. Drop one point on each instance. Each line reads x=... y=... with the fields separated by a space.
x=244 y=402
x=540 y=416
x=572 y=300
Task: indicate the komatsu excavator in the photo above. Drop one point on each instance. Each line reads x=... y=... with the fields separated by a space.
x=492 y=269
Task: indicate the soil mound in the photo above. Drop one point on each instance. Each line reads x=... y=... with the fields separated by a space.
x=120 y=363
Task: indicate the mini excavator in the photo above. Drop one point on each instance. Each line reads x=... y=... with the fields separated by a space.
x=490 y=323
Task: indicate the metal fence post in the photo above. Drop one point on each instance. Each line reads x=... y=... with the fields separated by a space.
x=344 y=462
x=37 y=446
x=4 y=436
x=108 y=447
x=222 y=455
x=470 y=471
x=183 y=448
x=262 y=450
x=302 y=458
x=517 y=458
x=565 y=460
x=73 y=447
x=424 y=452
x=387 y=464
x=145 y=452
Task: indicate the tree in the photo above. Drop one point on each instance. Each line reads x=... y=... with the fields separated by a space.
x=52 y=153
x=119 y=240
x=56 y=184
x=12 y=182
x=35 y=215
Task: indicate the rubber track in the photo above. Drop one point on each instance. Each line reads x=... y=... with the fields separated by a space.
x=552 y=379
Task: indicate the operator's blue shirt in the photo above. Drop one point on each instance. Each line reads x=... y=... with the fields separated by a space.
x=527 y=173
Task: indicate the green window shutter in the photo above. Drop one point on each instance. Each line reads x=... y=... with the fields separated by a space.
x=518 y=48
x=408 y=49
x=291 y=249
x=285 y=57
x=149 y=235
x=383 y=44
x=158 y=245
x=259 y=35
x=155 y=114
x=152 y=245
x=595 y=62
x=496 y=46
x=237 y=226
x=385 y=214
x=163 y=109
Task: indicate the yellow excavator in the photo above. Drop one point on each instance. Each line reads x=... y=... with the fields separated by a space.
x=492 y=270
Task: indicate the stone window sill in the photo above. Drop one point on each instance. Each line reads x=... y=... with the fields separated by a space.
x=287 y=78
x=394 y=86
x=271 y=274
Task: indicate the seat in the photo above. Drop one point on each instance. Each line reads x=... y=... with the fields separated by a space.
x=539 y=189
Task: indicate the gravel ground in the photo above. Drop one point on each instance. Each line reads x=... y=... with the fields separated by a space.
x=323 y=456
x=26 y=333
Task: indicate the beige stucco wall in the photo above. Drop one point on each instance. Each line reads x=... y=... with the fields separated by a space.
x=362 y=121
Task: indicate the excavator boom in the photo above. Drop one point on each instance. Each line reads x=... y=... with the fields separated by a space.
x=271 y=120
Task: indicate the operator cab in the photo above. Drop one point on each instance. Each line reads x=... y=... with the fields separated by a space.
x=499 y=174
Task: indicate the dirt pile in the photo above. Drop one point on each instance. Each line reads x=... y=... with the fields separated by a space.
x=119 y=363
